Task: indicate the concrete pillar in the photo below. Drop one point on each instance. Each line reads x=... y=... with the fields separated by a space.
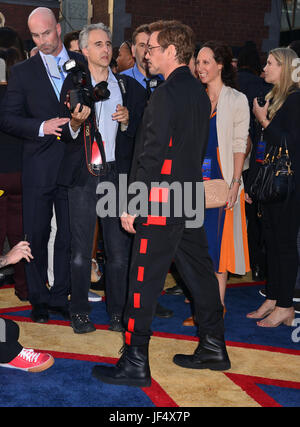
x=273 y=21
x=75 y=14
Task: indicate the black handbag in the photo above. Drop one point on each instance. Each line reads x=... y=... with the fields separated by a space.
x=275 y=179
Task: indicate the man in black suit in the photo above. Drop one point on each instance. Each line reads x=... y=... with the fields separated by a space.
x=174 y=138
x=96 y=156
x=31 y=111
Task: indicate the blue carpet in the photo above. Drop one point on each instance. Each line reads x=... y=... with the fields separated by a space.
x=239 y=302
x=69 y=385
x=238 y=328
x=287 y=397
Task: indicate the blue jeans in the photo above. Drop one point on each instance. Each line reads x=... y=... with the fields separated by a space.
x=117 y=245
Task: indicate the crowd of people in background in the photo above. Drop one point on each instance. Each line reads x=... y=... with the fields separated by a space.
x=50 y=166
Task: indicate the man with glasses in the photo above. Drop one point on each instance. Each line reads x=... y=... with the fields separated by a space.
x=140 y=73
x=175 y=134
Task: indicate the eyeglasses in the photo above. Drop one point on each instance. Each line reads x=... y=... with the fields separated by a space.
x=149 y=49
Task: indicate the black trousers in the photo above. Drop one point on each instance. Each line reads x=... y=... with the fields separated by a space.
x=9 y=345
x=37 y=214
x=117 y=245
x=154 y=249
x=280 y=227
x=257 y=252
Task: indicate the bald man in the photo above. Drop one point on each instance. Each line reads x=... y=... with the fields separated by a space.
x=31 y=111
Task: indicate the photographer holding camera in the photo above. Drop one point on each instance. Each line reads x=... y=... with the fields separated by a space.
x=105 y=112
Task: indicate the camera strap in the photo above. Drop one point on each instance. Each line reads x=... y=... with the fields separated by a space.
x=88 y=146
x=123 y=87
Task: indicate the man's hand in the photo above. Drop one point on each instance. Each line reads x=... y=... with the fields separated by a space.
x=79 y=117
x=52 y=126
x=121 y=115
x=19 y=251
x=127 y=222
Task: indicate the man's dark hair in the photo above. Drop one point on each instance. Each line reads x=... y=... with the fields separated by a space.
x=69 y=37
x=248 y=57
x=141 y=29
x=10 y=38
x=177 y=34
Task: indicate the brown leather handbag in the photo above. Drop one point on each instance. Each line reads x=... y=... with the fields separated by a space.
x=216 y=193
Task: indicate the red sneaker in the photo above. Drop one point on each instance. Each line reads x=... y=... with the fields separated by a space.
x=30 y=360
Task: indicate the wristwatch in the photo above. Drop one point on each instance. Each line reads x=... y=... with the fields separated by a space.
x=239 y=181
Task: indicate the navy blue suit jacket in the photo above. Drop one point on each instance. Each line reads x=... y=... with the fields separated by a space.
x=30 y=100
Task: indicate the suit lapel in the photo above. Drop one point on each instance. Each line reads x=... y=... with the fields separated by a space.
x=42 y=77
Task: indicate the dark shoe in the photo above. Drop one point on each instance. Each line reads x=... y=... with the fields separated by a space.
x=296 y=297
x=132 y=369
x=39 y=313
x=61 y=310
x=81 y=324
x=263 y=292
x=175 y=290
x=257 y=274
x=116 y=324
x=22 y=297
x=163 y=312
x=7 y=279
x=211 y=354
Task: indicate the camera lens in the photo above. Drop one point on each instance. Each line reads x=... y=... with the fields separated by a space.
x=101 y=92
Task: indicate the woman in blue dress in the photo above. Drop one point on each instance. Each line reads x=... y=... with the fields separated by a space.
x=229 y=127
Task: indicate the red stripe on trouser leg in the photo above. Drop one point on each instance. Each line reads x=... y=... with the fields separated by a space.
x=130 y=326
x=158 y=194
x=166 y=168
x=171 y=142
x=143 y=246
x=127 y=338
x=140 y=275
x=156 y=220
x=137 y=300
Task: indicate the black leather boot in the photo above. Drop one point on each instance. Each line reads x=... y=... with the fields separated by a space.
x=211 y=354
x=132 y=369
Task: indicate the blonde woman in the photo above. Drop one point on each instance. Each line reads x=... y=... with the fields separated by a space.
x=281 y=117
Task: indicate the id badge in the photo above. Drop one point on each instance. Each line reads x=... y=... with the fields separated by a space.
x=206 y=169
x=260 y=151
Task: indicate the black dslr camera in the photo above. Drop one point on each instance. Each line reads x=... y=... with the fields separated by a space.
x=84 y=93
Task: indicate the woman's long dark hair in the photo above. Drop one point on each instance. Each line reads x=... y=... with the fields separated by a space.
x=223 y=55
x=10 y=38
x=11 y=56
